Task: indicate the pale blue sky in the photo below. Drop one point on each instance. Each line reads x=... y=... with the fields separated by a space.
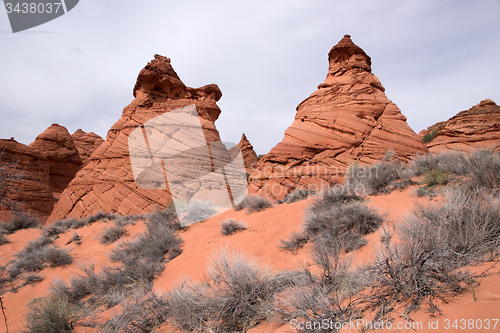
x=435 y=58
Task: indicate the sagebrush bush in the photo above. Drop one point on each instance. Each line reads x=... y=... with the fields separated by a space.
x=238 y=295
x=112 y=234
x=254 y=203
x=335 y=196
x=230 y=227
x=297 y=195
x=33 y=278
x=196 y=211
x=353 y=216
x=168 y=216
x=294 y=242
x=192 y=309
x=102 y=216
x=51 y=315
x=142 y=314
x=142 y=258
x=32 y=258
x=241 y=286
x=21 y=221
x=57 y=257
x=375 y=178
x=436 y=240
x=3 y=239
x=485 y=169
x=451 y=162
x=435 y=178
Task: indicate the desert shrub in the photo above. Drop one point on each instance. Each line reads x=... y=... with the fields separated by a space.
x=192 y=309
x=328 y=296
x=353 y=216
x=196 y=211
x=375 y=178
x=32 y=258
x=436 y=240
x=57 y=257
x=386 y=173
x=485 y=169
x=112 y=234
x=297 y=195
x=102 y=216
x=338 y=217
x=51 y=315
x=76 y=238
x=429 y=136
x=3 y=239
x=33 y=278
x=241 y=286
x=238 y=295
x=435 y=178
x=410 y=273
x=230 y=227
x=139 y=315
x=451 y=162
x=168 y=216
x=294 y=242
x=254 y=203
x=422 y=192
x=62 y=226
x=142 y=258
x=336 y=195
x=20 y=221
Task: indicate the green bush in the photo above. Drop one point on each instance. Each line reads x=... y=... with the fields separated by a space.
x=435 y=178
x=429 y=136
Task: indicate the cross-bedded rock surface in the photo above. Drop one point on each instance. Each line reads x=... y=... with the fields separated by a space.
x=478 y=127
x=107 y=183
x=349 y=118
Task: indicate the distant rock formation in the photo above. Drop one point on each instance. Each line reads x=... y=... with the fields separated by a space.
x=107 y=183
x=478 y=127
x=32 y=192
x=349 y=118
x=249 y=156
x=86 y=143
x=58 y=146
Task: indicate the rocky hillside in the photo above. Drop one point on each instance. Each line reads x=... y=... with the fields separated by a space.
x=478 y=127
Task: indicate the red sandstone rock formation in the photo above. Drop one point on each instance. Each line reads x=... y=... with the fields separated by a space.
x=58 y=146
x=478 y=127
x=249 y=156
x=86 y=143
x=107 y=183
x=349 y=118
x=31 y=192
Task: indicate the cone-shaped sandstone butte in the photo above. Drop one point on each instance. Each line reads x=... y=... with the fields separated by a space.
x=32 y=192
x=107 y=183
x=249 y=156
x=58 y=146
x=86 y=143
x=478 y=127
x=349 y=118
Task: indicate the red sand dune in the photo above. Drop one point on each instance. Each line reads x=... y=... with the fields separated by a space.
x=259 y=241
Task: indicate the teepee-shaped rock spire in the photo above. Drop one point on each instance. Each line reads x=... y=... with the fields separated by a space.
x=349 y=118
x=250 y=158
